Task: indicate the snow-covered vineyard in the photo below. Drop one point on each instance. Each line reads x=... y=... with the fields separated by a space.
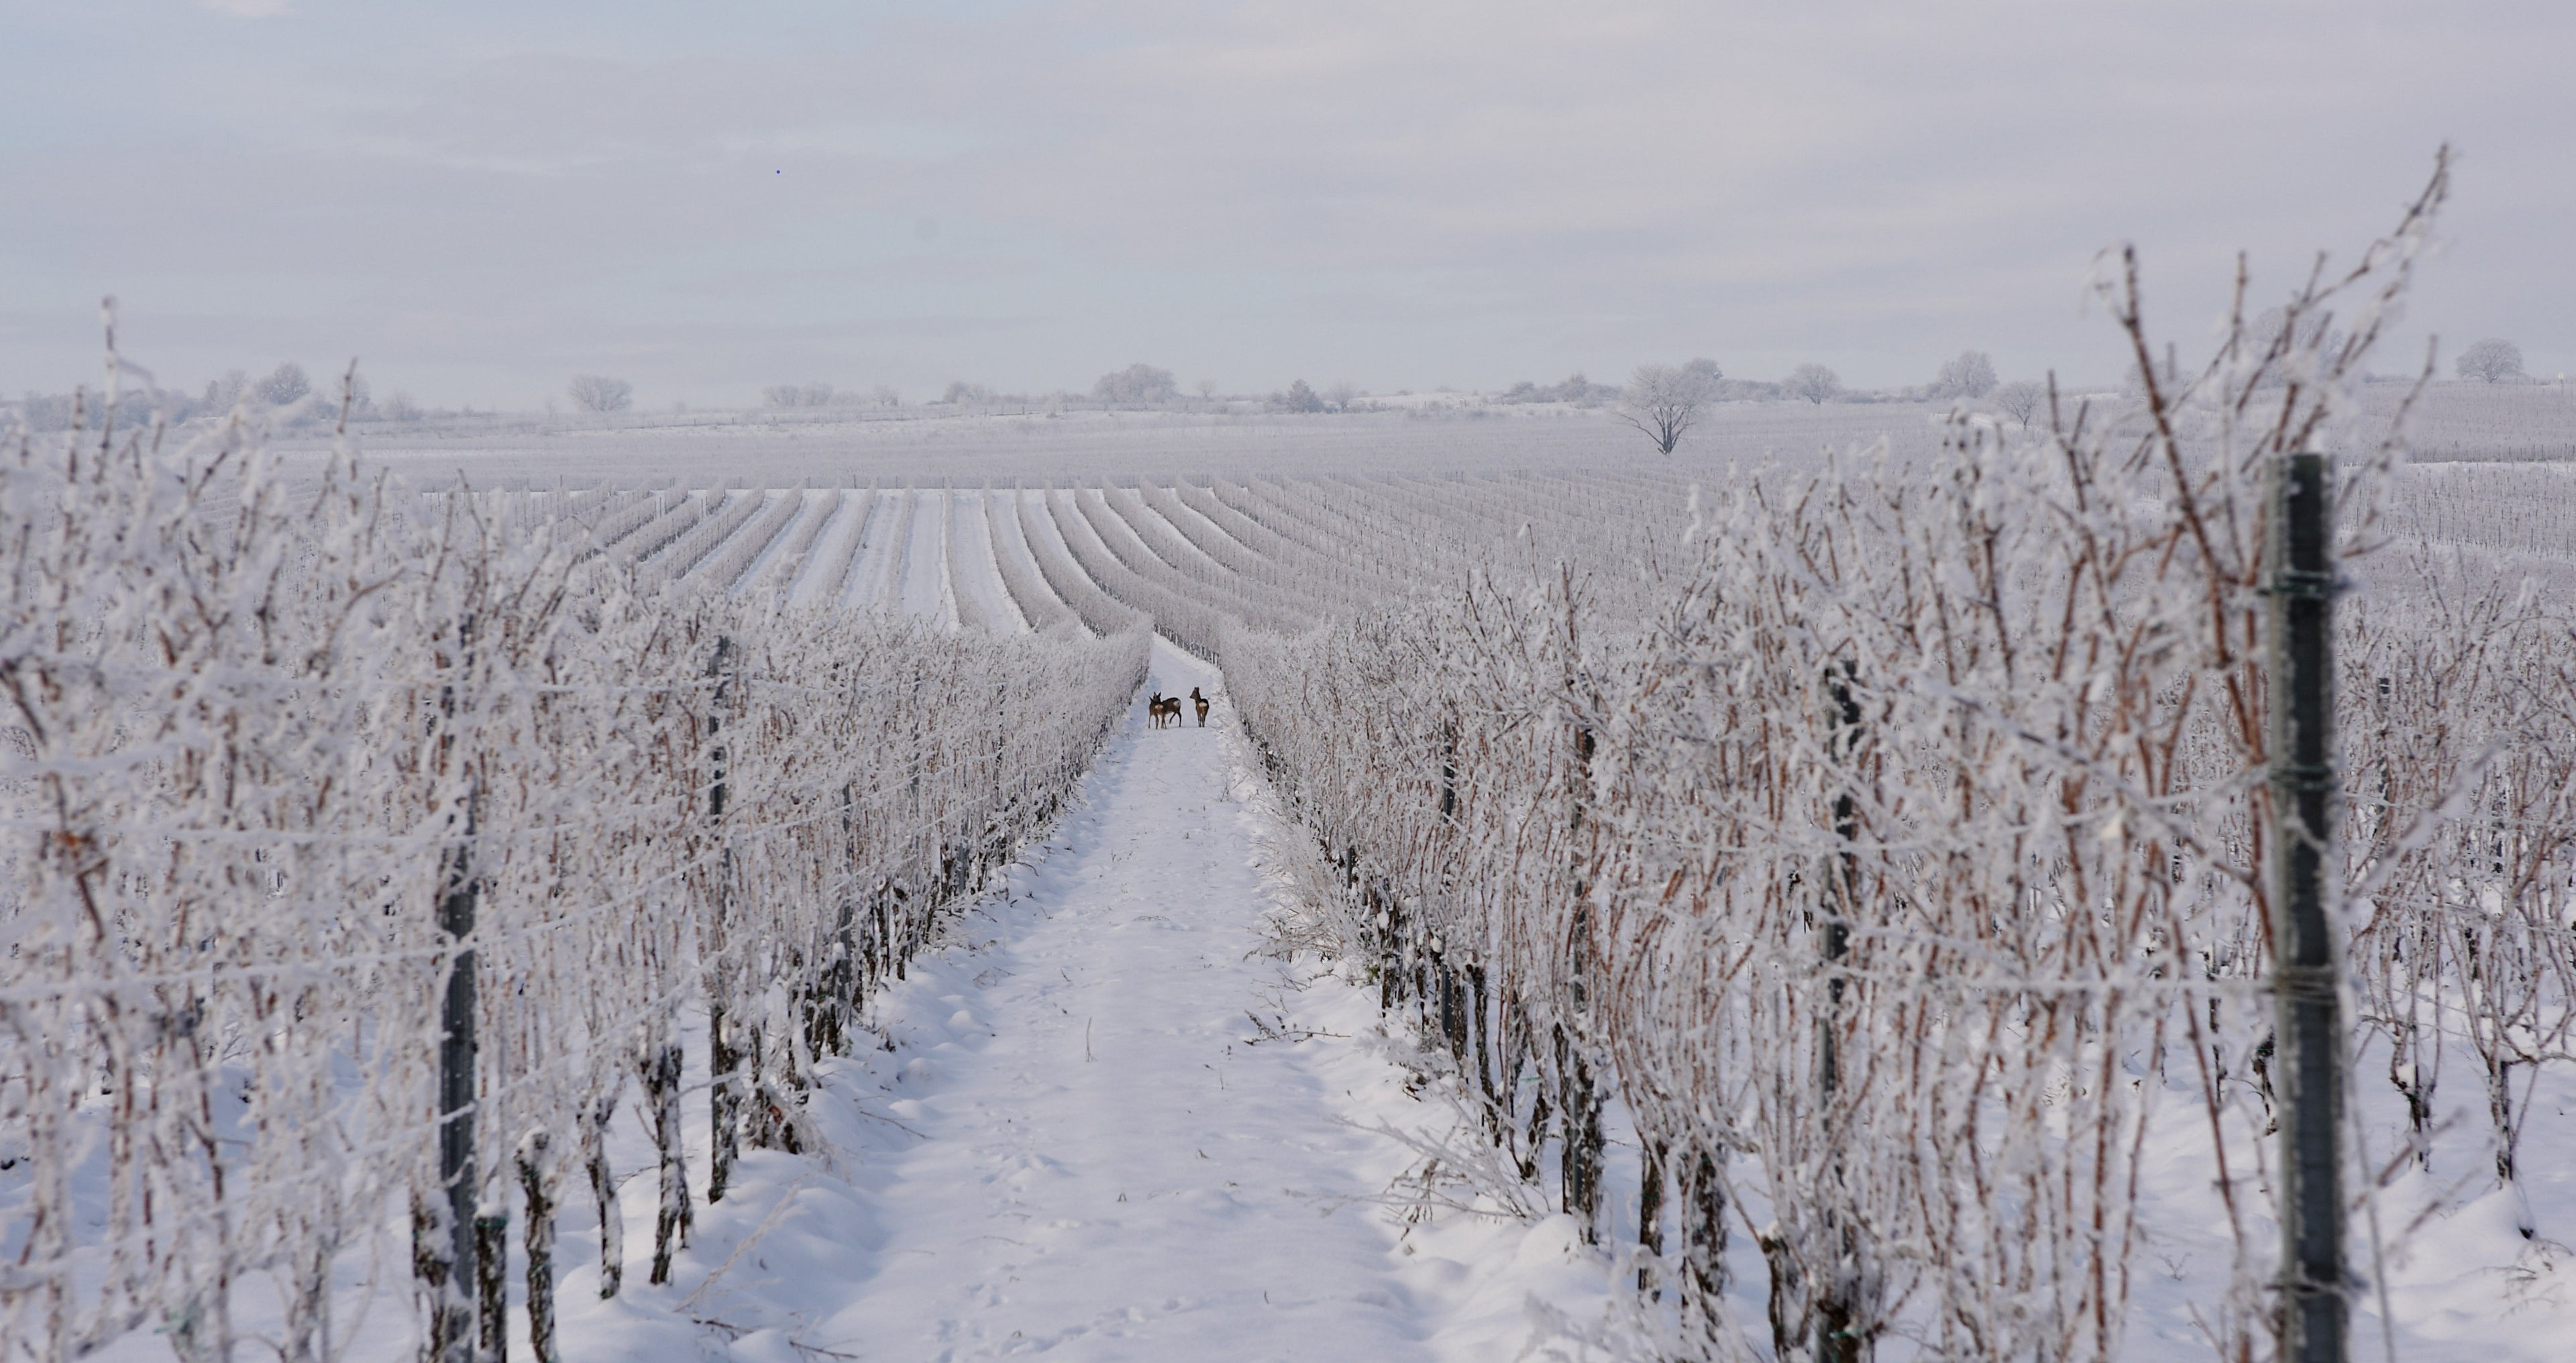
x=1815 y=912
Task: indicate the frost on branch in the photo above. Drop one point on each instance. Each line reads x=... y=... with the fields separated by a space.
x=253 y=726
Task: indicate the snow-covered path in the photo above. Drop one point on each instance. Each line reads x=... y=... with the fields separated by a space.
x=1105 y=1168
x=1105 y=1124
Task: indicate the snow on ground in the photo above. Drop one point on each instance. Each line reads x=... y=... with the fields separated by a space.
x=1082 y=1144
x=1008 y=539
x=1107 y=1124
x=2461 y=1279
x=877 y=573
x=849 y=518
x=823 y=504
x=981 y=578
x=925 y=565
x=934 y=444
x=1042 y=516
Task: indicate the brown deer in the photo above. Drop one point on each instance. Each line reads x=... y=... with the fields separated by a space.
x=1202 y=703
x=1160 y=707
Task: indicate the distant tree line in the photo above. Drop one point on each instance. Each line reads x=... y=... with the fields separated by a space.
x=286 y=392
x=1576 y=389
x=788 y=395
x=1300 y=397
x=1137 y=385
x=1663 y=402
x=1701 y=379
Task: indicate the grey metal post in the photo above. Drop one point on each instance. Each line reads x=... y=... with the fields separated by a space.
x=2315 y=1316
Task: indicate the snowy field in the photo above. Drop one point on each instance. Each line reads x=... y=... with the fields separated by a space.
x=1117 y=1105
x=1989 y=777
x=1432 y=433
x=927 y=449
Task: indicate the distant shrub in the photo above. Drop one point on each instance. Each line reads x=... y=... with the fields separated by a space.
x=2019 y=400
x=798 y=395
x=1298 y=398
x=1577 y=389
x=1970 y=375
x=1139 y=385
x=597 y=393
x=285 y=384
x=1813 y=382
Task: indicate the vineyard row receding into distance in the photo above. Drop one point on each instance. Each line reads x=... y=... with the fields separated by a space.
x=1885 y=841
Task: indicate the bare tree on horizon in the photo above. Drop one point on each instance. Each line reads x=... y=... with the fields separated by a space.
x=1664 y=401
x=2491 y=361
x=2019 y=400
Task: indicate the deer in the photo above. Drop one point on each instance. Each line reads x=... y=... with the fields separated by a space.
x=1158 y=707
x=1202 y=703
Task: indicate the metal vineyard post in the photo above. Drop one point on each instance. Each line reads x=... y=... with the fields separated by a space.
x=2315 y=1315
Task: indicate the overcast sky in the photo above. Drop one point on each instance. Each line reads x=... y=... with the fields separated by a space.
x=482 y=199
